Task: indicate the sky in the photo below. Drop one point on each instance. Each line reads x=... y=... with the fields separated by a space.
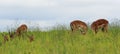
x=46 y=13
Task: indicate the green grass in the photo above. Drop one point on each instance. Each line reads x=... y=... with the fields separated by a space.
x=60 y=40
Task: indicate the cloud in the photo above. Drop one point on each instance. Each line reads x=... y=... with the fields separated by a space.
x=49 y=12
x=27 y=3
x=85 y=3
x=8 y=24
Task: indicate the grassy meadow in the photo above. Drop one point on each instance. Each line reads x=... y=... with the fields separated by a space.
x=60 y=40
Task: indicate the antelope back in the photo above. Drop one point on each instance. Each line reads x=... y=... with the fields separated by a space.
x=22 y=28
x=100 y=23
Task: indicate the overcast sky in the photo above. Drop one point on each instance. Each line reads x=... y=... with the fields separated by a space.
x=49 y=12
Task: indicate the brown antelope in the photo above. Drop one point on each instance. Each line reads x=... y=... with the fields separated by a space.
x=100 y=24
x=23 y=28
x=12 y=35
x=31 y=38
x=79 y=25
x=5 y=37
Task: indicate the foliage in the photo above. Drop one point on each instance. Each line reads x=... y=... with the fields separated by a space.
x=61 y=40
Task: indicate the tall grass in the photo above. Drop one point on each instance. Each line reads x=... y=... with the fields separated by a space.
x=60 y=40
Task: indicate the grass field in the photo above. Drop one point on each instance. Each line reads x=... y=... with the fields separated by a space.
x=60 y=40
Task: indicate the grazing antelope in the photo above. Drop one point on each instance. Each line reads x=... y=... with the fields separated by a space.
x=12 y=35
x=100 y=24
x=23 y=28
x=31 y=38
x=5 y=37
x=79 y=25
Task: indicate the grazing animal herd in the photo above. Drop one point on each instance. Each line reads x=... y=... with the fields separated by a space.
x=95 y=26
x=75 y=25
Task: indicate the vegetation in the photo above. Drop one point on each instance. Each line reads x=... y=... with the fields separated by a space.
x=60 y=40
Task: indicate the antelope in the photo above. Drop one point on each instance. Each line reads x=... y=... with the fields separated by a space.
x=21 y=29
x=5 y=38
x=79 y=25
x=12 y=35
x=31 y=38
x=100 y=24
